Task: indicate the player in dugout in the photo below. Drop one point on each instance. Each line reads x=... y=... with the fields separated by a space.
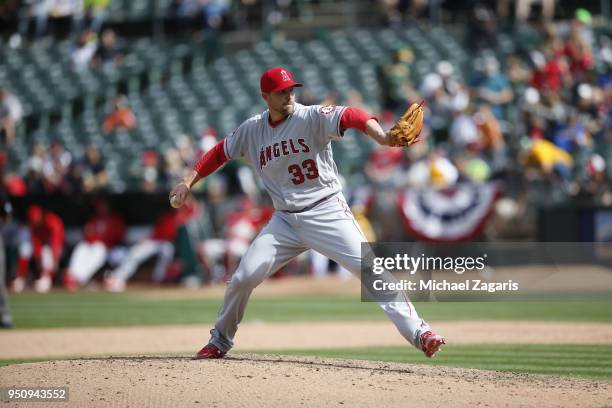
x=45 y=243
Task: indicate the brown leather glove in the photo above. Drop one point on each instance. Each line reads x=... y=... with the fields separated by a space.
x=408 y=128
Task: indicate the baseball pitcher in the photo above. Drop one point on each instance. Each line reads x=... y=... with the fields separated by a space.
x=289 y=145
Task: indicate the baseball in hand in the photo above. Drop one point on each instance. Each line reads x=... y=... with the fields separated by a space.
x=174 y=201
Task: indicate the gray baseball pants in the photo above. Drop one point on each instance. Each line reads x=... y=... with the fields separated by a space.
x=328 y=228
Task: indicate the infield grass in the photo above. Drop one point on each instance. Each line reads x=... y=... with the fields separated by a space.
x=88 y=309
x=584 y=360
x=580 y=360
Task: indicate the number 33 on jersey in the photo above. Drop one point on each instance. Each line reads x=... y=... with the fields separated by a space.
x=293 y=158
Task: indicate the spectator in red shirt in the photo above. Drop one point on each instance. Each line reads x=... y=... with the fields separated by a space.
x=11 y=183
x=120 y=118
x=45 y=243
x=550 y=71
x=161 y=242
x=103 y=231
x=579 y=53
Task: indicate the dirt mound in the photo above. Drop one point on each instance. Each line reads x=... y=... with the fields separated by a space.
x=270 y=381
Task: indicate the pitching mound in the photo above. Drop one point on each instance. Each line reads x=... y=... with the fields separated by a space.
x=244 y=380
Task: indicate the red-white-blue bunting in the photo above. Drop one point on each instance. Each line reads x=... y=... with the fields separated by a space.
x=450 y=215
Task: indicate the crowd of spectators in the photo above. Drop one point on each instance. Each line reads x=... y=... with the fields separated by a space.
x=36 y=19
x=89 y=52
x=399 y=12
x=39 y=19
x=208 y=15
x=53 y=169
x=539 y=114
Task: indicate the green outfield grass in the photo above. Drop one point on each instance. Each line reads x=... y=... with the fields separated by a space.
x=29 y=360
x=584 y=360
x=103 y=309
x=594 y=361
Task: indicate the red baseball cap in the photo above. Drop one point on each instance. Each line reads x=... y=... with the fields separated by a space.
x=277 y=79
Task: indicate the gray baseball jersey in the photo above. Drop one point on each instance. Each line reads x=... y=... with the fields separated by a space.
x=294 y=159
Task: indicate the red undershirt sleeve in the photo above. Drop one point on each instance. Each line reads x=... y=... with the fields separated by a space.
x=355 y=118
x=212 y=160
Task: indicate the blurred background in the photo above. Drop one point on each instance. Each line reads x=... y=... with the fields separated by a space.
x=105 y=104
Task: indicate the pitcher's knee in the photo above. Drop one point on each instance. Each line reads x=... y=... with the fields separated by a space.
x=246 y=278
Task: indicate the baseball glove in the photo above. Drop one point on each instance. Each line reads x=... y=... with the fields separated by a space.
x=408 y=128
